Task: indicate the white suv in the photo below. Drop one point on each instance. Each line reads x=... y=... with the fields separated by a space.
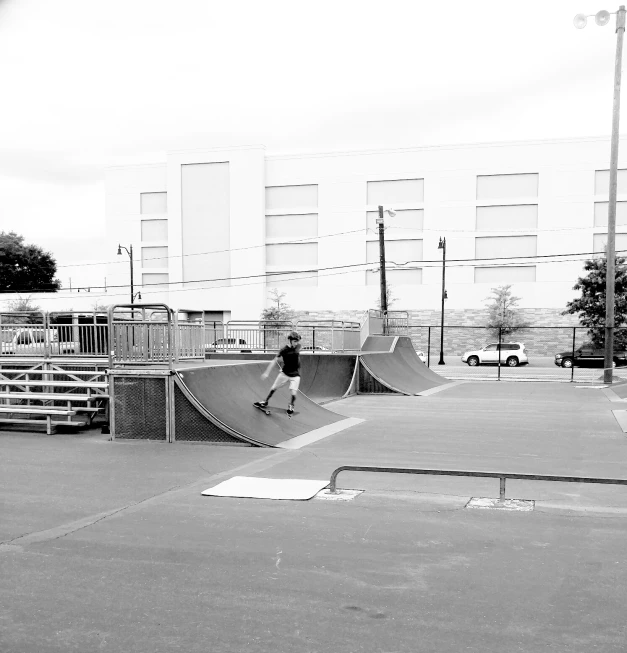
x=512 y=354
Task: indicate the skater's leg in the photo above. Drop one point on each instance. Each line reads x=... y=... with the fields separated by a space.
x=294 y=383
x=280 y=380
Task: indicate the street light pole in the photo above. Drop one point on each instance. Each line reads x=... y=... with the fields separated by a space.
x=442 y=246
x=130 y=255
x=603 y=18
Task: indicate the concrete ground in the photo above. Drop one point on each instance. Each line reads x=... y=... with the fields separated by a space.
x=109 y=546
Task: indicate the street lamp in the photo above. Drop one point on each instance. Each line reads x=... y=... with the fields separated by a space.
x=130 y=255
x=442 y=246
x=380 y=221
x=603 y=18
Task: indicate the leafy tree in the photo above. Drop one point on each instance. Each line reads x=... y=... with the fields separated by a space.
x=390 y=298
x=23 y=311
x=503 y=313
x=24 y=267
x=590 y=305
x=279 y=311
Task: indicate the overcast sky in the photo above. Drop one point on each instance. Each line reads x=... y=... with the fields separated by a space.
x=86 y=84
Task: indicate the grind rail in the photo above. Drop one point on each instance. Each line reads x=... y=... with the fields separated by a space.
x=502 y=476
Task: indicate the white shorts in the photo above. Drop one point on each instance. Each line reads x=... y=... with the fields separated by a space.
x=282 y=379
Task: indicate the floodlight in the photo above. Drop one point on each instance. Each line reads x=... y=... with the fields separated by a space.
x=391 y=212
x=602 y=18
x=580 y=21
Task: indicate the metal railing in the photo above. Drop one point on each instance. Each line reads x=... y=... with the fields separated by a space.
x=330 y=335
x=502 y=476
x=54 y=334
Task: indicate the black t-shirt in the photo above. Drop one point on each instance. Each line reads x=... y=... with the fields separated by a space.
x=291 y=360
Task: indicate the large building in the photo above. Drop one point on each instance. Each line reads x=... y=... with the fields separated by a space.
x=216 y=230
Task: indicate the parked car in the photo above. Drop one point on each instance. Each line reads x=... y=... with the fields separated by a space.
x=511 y=354
x=32 y=341
x=316 y=348
x=589 y=356
x=228 y=343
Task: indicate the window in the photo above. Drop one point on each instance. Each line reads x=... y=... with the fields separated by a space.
x=292 y=226
x=397 y=191
x=505 y=246
x=153 y=202
x=154 y=257
x=600 y=241
x=292 y=254
x=495 y=187
x=601 y=211
x=290 y=198
x=505 y=274
x=490 y=348
x=154 y=230
x=396 y=251
x=602 y=182
x=517 y=217
x=155 y=281
x=402 y=221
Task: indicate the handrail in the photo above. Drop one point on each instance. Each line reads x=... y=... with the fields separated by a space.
x=457 y=472
x=170 y=320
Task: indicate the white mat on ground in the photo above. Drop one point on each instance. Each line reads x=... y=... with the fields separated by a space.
x=251 y=487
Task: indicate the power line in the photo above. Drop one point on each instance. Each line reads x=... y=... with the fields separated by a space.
x=342 y=269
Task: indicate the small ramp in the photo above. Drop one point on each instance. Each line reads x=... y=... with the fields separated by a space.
x=224 y=396
x=327 y=377
x=395 y=367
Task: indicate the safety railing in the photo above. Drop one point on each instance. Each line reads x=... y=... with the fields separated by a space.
x=137 y=339
x=329 y=335
x=502 y=476
x=54 y=334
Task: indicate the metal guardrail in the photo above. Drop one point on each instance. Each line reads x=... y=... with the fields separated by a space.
x=502 y=476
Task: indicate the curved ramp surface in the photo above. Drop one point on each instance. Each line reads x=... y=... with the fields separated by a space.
x=400 y=370
x=325 y=377
x=224 y=395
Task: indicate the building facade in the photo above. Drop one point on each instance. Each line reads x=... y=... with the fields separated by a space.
x=216 y=230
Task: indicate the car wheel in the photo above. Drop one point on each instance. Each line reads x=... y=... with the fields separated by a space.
x=512 y=361
x=473 y=361
x=567 y=362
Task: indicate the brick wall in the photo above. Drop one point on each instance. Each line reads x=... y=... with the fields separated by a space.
x=460 y=336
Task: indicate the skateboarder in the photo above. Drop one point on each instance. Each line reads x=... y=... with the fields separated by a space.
x=290 y=371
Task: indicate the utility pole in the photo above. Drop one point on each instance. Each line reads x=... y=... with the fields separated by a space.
x=610 y=280
x=384 y=298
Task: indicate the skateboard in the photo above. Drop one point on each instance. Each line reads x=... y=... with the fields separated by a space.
x=266 y=410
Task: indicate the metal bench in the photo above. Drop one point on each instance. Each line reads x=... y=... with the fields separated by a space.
x=49 y=413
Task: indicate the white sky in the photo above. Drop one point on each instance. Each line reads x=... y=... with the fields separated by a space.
x=87 y=83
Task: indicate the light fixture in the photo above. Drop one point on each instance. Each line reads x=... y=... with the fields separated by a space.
x=580 y=21
x=119 y=250
x=602 y=18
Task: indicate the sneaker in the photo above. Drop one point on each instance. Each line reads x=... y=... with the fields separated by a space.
x=290 y=409
x=261 y=404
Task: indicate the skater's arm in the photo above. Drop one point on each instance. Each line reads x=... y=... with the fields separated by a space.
x=271 y=364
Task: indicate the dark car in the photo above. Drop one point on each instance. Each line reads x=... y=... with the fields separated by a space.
x=222 y=344
x=589 y=356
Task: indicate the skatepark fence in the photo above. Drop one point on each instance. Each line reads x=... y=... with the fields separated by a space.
x=502 y=476
x=54 y=334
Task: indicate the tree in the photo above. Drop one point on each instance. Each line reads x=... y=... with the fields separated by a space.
x=24 y=267
x=503 y=314
x=279 y=311
x=590 y=306
x=23 y=311
x=389 y=296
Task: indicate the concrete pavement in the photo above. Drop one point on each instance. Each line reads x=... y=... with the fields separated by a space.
x=109 y=546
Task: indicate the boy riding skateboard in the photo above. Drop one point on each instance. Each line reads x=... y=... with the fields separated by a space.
x=290 y=371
